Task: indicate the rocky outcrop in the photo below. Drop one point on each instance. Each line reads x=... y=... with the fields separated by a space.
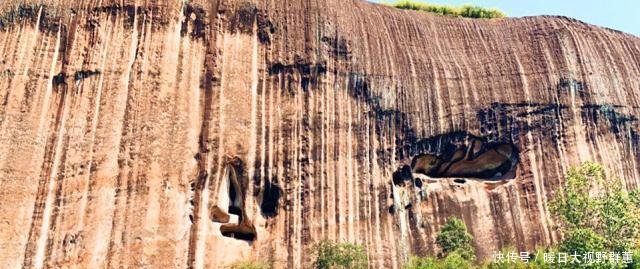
x=192 y=134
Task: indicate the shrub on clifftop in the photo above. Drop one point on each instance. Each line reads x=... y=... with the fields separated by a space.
x=461 y=11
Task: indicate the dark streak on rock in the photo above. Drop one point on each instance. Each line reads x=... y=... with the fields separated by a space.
x=196 y=16
x=151 y=13
x=115 y=9
x=616 y=120
x=244 y=17
x=242 y=21
x=83 y=74
x=49 y=22
x=359 y=88
x=302 y=72
x=300 y=67
x=265 y=29
x=338 y=47
x=59 y=79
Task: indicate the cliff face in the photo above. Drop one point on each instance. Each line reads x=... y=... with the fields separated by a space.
x=195 y=134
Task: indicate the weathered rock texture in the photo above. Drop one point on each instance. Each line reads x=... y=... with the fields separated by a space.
x=171 y=134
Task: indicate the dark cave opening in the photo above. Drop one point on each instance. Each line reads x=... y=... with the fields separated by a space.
x=418 y=183
x=240 y=236
x=460 y=180
x=270 y=199
x=471 y=157
x=401 y=175
x=234 y=210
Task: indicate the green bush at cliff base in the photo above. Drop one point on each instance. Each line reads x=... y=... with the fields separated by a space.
x=456 y=244
x=596 y=209
x=453 y=237
x=597 y=214
x=452 y=261
x=461 y=11
x=331 y=255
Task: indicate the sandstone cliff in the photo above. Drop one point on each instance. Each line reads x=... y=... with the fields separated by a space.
x=171 y=134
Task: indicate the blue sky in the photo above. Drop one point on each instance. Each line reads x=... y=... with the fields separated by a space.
x=623 y=15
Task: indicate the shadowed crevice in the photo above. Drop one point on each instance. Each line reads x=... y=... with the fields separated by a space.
x=83 y=74
x=196 y=17
x=270 y=199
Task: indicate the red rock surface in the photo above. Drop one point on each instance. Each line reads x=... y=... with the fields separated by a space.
x=127 y=129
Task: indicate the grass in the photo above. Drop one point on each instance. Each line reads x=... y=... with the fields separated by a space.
x=466 y=11
x=249 y=264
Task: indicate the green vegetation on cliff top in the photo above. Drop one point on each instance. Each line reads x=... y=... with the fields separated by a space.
x=466 y=11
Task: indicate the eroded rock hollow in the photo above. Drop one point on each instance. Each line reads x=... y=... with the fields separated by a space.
x=193 y=134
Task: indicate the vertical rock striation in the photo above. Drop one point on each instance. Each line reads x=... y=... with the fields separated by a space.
x=192 y=134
